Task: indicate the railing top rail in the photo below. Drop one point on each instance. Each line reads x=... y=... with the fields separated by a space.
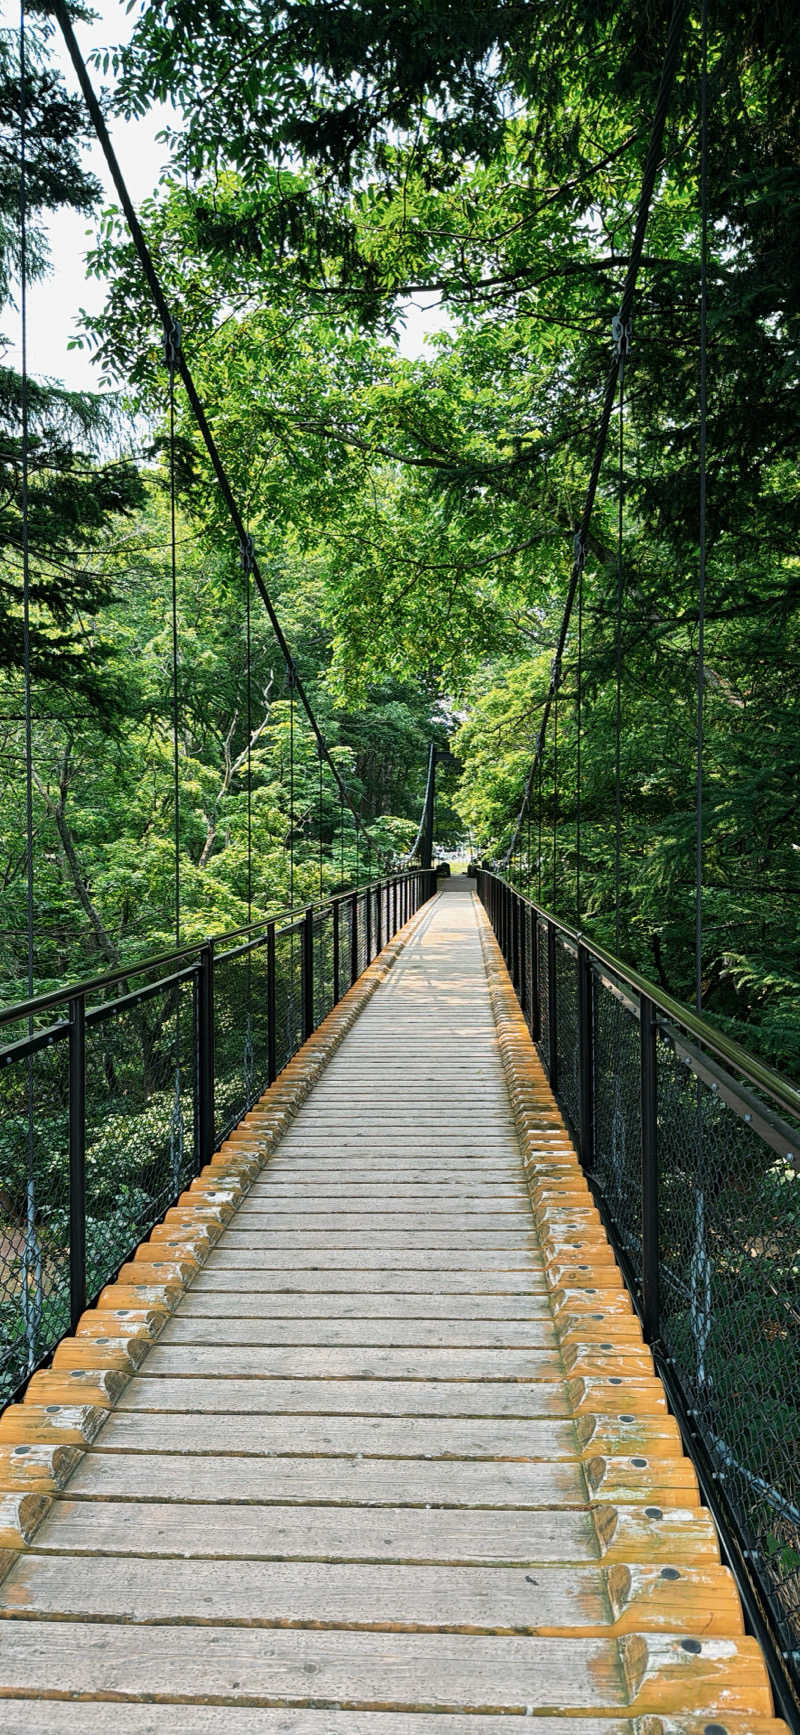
x=781 y=1090
x=40 y=1003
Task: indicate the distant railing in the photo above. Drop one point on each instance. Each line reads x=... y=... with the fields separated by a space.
x=691 y=1149
x=115 y=1092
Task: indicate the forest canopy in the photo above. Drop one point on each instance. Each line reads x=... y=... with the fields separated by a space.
x=415 y=514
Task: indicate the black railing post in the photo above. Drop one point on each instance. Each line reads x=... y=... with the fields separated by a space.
x=368 y=896
x=552 y=1008
x=205 y=1056
x=379 y=918
x=336 y=987
x=308 y=972
x=77 y=1159
x=353 y=938
x=649 y=1113
x=272 y=1058
x=536 y=1009
x=586 y=1055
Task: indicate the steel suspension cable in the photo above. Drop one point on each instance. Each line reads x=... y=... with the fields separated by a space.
x=248 y=1058
x=290 y=672
x=176 y=1132
x=701 y=597
x=319 y=824
x=623 y=343
x=172 y=350
x=555 y=792
x=31 y=1260
x=578 y=753
x=249 y=710
x=161 y=304
x=622 y=318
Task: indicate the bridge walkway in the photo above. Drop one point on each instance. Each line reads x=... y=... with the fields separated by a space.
x=397 y=1463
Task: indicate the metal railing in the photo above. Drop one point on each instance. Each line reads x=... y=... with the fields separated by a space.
x=691 y=1149
x=115 y=1092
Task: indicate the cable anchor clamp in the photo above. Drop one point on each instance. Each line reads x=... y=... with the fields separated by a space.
x=247 y=550
x=173 y=345
x=621 y=335
x=579 y=547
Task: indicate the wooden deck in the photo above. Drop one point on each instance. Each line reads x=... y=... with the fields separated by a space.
x=397 y=1464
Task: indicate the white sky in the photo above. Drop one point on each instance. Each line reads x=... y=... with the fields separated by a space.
x=54 y=303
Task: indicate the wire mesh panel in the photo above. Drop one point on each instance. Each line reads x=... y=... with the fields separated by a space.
x=34 y=1209
x=529 y=922
x=345 y=944
x=240 y=1033
x=617 y=1110
x=288 y=993
x=323 y=965
x=569 y=1084
x=543 y=978
x=729 y=1271
x=361 y=929
x=140 y=1122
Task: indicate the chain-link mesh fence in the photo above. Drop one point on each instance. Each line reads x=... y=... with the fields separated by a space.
x=729 y=1270
x=166 y=1065
x=323 y=965
x=543 y=979
x=140 y=1121
x=723 y=1208
x=569 y=1084
x=288 y=992
x=34 y=1228
x=617 y=1162
x=241 y=1033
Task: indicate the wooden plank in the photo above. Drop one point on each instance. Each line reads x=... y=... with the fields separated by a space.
x=355 y=1481
x=346 y=1397
x=503 y=1334
x=265 y=1243
x=352 y=1280
x=440 y=1672
x=417 y=1437
x=308 y=1532
x=97 y=1717
x=403 y=1258
x=427 y=1309
x=363 y=1192
x=330 y=1362
x=369 y=1220
x=493 y=1599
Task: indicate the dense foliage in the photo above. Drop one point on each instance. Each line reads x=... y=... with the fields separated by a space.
x=415 y=516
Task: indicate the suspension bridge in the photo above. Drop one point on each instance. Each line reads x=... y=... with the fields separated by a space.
x=415 y=1399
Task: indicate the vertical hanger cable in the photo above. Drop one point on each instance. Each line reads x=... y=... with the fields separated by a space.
x=290 y=672
x=579 y=755
x=555 y=796
x=31 y=1258
x=176 y=1135
x=622 y=351
x=701 y=597
x=172 y=347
